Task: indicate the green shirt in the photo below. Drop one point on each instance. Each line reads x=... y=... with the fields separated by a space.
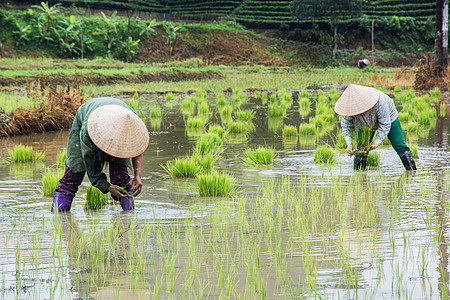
x=82 y=154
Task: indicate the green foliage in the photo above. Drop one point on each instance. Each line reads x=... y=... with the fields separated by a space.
x=260 y=156
x=324 y=155
x=95 y=199
x=61 y=159
x=183 y=167
x=307 y=129
x=245 y=115
x=373 y=159
x=21 y=154
x=170 y=96
x=237 y=127
x=290 y=130
x=196 y=122
x=50 y=180
x=215 y=184
x=210 y=143
x=155 y=112
x=217 y=129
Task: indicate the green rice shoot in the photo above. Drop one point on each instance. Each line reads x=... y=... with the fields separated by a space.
x=50 y=180
x=373 y=159
x=95 y=199
x=22 y=154
x=259 y=156
x=216 y=184
x=61 y=159
x=182 y=167
x=155 y=112
x=324 y=155
x=289 y=131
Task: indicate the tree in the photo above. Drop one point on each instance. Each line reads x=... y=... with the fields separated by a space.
x=441 y=37
x=334 y=12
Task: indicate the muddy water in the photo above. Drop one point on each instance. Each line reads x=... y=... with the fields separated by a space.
x=380 y=234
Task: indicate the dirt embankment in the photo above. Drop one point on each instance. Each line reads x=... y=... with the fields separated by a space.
x=98 y=79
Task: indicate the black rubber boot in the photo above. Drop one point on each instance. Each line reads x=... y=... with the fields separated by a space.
x=408 y=160
x=360 y=162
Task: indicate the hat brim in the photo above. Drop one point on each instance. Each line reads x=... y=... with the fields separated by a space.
x=356 y=99
x=117 y=131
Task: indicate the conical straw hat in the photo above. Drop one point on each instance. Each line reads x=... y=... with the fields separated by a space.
x=117 y=131
x=356 y=99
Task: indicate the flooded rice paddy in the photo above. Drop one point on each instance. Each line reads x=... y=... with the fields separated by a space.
x=294 y=229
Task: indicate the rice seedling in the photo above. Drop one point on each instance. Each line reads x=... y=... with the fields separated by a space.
x=334 y=95
x=317 y=122
x=407 y=95
x=412 y=127
x=21 y=154
x=307 y=129
x=264 y=98
x=210 y=143
x=196 y=122
x=136 y=96
x=373 y=159
x=403 y=116
x=327 y=118
x=410 y=110
x=276 y=110
x=203 y=108
x=182 y=167
x=10 y=101
x=290 y=130
x=170 y=96
x=61 y=159
x=304 y=103
x=221 y=99
x=386 y=141
x=340 y=141
x=237 y=127
x=415 y=151
x=245 y=115
x=275 y=123
x=435 y=94
x=283 y=95
x=133 y=104
x=50 y=180
x=324 y=155
x=442 y=110
x=259 y=156
x=397 y=89
x=155 y=112
x=95 y=199
x=257 y=94
x=217 y=129
x=205 y=161
x=363 y=139
x=156 y=123
x=226 y=111
x=215 y=184
x=423 y=118
x=273 y=98
x=188 y=101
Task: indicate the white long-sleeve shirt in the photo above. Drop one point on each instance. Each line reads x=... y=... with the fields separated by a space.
x=378 y=117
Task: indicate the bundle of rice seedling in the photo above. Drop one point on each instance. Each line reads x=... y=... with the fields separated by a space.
x=324 y=154
x=215 y=184
x=95 y=199
x=260 y=156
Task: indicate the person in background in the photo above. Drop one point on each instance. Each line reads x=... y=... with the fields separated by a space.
x=104 y=130
x=362 y=106
x=362 y=63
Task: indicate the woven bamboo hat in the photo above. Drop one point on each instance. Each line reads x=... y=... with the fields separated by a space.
x=117 y=131
x=356 y=99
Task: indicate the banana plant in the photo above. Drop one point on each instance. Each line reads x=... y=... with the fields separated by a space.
x=108 y=31
x=147 y=28
x=130 y=48
x=172 y=33
x=67 y=34
x=22 y=33
x=47 y=14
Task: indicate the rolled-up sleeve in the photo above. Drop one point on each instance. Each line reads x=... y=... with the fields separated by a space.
x=384 y=123
x=348 y=126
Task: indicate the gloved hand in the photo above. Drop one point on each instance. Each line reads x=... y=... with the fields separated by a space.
x=350 y=149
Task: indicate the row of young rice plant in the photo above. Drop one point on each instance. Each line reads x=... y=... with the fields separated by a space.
x=285 y=239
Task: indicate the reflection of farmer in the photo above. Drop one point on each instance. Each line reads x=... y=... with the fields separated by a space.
x=362 y=63
x=104 y=130
x=363 y=106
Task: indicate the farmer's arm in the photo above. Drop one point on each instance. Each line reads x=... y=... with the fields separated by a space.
x=348 y=126
x=384 y=122
x=93 y=165
x=136 y=184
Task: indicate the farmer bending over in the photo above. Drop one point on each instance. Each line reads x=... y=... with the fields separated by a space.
x=363 y=106
x=362 y=63
x=105 y=130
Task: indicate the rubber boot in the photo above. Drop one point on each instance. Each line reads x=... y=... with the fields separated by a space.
x=63 y=202
x=127 y=204
x=360 y=162
x=408 y=160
